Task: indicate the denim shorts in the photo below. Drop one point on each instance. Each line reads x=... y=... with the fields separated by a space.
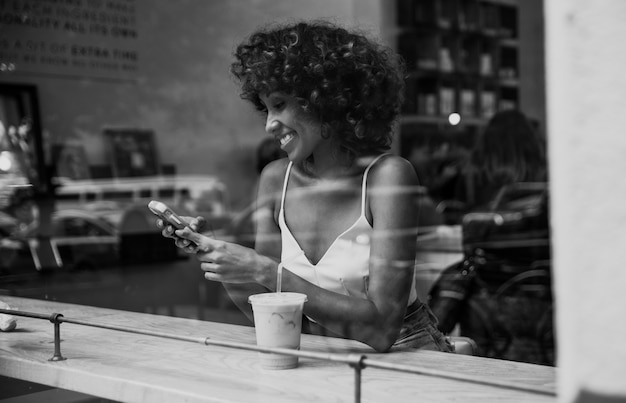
x=420 y=331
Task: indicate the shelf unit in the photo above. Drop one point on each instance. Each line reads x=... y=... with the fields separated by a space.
x=462 y=57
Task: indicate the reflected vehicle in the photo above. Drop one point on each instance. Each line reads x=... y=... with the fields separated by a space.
x=123 y=202
x=78 y=240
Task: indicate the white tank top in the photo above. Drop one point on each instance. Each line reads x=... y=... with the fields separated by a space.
x=344 y=267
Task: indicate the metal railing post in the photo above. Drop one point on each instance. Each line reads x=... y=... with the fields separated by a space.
x=356 y=362
x=54 y=318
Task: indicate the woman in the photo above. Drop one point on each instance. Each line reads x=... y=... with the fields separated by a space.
x=341 y=216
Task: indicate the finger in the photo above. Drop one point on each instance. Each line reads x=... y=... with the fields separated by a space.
x=169 y=230
x=204 y=242
x=181 y=243
x=209 y=267
x=198 y=223
x=212 y=276
x=167 y=234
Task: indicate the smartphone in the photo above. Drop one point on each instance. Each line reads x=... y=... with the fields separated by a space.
x=168 y=215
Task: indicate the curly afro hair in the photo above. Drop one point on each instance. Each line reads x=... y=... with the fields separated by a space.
x=353 y=84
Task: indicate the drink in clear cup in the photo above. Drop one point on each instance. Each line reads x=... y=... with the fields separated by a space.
x=278 y=323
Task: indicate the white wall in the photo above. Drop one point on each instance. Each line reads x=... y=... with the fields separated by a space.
x=586 y=84
x=181 y=89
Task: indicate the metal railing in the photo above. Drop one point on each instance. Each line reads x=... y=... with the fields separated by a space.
x=356 y=361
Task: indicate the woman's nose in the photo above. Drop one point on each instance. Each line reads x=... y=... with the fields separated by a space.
x=271 y=125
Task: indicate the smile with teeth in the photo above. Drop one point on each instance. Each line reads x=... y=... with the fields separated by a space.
x=286 y=138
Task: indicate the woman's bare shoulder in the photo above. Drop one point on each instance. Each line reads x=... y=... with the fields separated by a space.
x=392 y=170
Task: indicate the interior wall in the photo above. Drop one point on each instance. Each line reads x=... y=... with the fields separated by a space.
x=181 y=88
x=585 y=98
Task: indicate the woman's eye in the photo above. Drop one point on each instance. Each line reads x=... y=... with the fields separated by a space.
x=278 y=105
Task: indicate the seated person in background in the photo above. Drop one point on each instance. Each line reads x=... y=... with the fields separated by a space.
x=342 y=216
x=508 y=151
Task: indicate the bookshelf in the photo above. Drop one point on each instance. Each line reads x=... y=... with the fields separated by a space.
x=462 y=60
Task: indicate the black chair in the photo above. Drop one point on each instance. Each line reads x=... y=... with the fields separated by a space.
x=500 y=295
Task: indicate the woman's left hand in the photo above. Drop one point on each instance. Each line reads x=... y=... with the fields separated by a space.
x=228 y=262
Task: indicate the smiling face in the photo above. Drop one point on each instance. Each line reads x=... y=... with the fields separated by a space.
x=299 y=132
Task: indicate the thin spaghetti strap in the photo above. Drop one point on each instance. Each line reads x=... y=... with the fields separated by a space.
x=282 y=199
x=364 y=185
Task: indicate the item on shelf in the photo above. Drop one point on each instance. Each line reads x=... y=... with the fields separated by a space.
x=446 y=99
x=487 y=103
x=486 y=64
x=507 y=104
x=507 y=72
x=468 y=102
x=427 y=64
x=427 y=104
x=445 y=61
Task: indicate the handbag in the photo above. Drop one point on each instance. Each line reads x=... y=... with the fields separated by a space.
x=448 y=294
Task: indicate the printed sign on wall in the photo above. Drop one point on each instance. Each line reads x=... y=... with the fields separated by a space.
x=133 y=152
x=94 y=39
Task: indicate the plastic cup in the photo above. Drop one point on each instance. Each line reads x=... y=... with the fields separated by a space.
x=278 y=323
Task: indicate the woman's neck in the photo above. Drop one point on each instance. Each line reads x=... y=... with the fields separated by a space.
x=331 y=165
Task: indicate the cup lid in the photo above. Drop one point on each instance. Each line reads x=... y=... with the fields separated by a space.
x=271 y=298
